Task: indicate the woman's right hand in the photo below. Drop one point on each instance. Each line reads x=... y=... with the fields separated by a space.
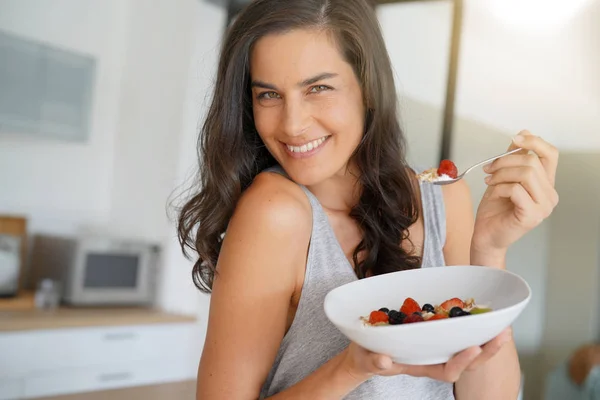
x=363 y=364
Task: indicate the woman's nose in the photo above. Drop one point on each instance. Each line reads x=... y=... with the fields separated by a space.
x=297 y=117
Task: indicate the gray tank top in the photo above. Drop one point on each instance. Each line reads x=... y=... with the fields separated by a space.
x=312 y=339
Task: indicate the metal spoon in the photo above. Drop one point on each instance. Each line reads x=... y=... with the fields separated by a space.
x=459 y=177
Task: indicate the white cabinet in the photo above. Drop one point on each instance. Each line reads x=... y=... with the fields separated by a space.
x=50 y=362
x=74 y=380
x=11 y=389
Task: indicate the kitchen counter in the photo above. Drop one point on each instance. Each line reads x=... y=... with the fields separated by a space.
x=77 y=318
x=185 y=390
x=28 y=318
x=96 y=353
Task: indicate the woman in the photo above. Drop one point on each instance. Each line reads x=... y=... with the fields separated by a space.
x=302 y=165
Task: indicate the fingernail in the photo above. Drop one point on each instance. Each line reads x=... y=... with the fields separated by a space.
x=488 y=179
x=518 y=139
x=487 y=168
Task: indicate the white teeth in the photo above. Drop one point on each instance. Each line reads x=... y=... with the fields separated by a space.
x=307 y=147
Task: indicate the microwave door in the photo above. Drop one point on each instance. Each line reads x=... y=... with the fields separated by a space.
x=111 y=271
x=111 y=278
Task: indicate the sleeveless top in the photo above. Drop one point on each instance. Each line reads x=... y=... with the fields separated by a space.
x=312 y=339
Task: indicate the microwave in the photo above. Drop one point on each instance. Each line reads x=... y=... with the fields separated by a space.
x=96 y=271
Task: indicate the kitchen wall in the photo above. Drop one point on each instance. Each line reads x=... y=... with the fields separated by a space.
x=573 y=278
x=417 y=36
x=155 y=65
x=543 y=76
x=61 y=186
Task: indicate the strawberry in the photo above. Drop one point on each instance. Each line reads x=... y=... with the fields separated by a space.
x=410 y=306
x=454 y=302
x=437 y=316
x=378 y=317
x=447 y=167
x=416 y=317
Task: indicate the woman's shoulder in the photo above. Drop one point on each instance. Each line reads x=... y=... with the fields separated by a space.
x=275 y=200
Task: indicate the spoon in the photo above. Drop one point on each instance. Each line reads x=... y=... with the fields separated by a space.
x=459 y=177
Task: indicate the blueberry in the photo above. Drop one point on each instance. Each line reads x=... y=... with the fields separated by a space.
x=385 y=310
x=428 y=307
x=463 y=313
x=396 y=317
x=455 y=312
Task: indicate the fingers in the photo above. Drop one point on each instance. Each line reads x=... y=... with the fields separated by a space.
x=457 y=364
x=491 y=348
x=528 y=171
x=525 y=176
x=380 y=362
x=516 y=160
x=537 y=186
x=516 y=193
x=526 y=211
x=449 y=372
x=469 y=359
x=547 y=153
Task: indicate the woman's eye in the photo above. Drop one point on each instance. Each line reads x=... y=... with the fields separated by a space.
x=319 y=88
x=268 y=95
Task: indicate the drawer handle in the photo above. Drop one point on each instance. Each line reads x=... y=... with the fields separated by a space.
x=120 y=336
x=118 y=376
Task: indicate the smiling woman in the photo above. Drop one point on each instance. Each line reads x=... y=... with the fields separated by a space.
x=304 y=187
x=306 y=104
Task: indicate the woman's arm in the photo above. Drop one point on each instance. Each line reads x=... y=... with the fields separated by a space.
x=265 y=245
x=261 y=266
x=499 y=376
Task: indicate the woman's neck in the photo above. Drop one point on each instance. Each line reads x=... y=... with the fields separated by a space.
x=341 y=192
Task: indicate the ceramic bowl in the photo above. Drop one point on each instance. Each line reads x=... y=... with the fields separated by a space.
x=428 y=342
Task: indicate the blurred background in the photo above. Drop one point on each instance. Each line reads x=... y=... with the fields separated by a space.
x=100 y=103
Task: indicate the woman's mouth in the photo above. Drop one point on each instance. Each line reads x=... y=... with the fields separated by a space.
x=306 y=149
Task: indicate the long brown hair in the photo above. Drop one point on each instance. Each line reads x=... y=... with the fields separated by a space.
x=231 y=152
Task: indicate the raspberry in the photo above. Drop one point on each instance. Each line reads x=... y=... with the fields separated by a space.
x=447 y=167
x=378 y=317
x=410 y=306
x=416 y=317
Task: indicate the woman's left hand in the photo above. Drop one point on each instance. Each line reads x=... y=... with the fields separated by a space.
x=520 y=195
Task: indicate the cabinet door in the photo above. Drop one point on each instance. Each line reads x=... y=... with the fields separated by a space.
x=49 y=350
x=105 y=377
x=11 y=389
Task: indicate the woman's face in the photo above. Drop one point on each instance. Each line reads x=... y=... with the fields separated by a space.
x=307 y=104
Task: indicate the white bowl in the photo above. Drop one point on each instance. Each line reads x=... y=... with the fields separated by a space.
x=428 y=342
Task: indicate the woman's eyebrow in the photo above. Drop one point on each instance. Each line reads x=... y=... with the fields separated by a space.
x=317 y=78
x=306 y=82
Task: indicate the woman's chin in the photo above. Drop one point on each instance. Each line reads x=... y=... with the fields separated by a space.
x=305 y=176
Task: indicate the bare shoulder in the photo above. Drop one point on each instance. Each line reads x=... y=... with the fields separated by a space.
x=272 y=214
x=276 y=202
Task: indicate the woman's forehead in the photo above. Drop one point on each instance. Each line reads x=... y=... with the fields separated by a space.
x=296 y=54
